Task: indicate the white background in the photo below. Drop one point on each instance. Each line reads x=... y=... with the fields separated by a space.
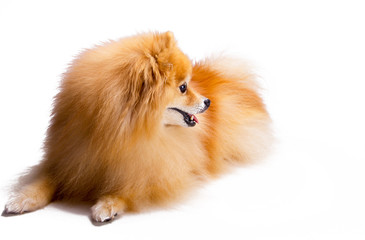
x=310 y=56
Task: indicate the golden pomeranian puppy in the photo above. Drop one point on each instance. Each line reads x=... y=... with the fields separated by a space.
x=124 y=132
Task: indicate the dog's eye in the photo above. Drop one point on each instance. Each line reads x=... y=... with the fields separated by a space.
x=183 y=88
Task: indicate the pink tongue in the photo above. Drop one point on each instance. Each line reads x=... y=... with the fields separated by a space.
x=195 y=119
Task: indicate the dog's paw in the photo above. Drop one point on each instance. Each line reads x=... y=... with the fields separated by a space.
x=22 y=202
x=107 y=208
x=30 y=197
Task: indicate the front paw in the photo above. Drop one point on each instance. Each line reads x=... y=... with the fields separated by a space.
x=31 y=197
x=22 y=203
x=107 y=208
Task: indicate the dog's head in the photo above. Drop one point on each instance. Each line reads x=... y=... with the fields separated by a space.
x=164 y=74
x=182 y=102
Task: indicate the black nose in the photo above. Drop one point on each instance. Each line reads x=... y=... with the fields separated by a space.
x=207 y=103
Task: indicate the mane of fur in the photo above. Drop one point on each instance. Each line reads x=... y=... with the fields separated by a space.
x=106 y=119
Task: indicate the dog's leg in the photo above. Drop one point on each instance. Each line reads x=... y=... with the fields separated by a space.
x=33 y=196
x=107 y=208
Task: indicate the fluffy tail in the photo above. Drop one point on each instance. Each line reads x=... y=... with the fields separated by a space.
x=239 y=124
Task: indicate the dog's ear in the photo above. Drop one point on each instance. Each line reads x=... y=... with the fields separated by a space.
x=169 y=39
x=160 y=50
x=162 y=56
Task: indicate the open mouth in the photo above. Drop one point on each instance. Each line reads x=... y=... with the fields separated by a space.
x=190 y=119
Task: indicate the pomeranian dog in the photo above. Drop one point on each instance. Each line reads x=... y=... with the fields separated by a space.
x=124 y=132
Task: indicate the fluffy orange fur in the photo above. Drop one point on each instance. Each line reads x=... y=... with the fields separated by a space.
x=107 y=144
